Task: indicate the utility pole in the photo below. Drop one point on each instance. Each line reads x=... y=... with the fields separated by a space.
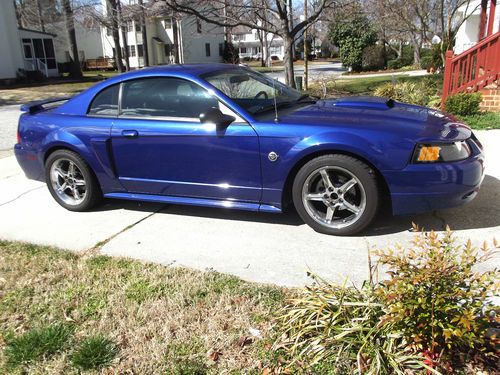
x=306 y=72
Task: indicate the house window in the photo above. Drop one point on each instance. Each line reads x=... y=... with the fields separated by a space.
x=28 y=54
x=207 y=49
x=167 y=23
x=140 y=50
x=128 y=26
x=137 y=26
x=109 y=31
x=221 y=49
x=131 y=51
x=198 y=26
x=243 y=49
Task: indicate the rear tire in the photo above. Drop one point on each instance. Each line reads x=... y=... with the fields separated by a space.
x=71 y=182
x=336 y=194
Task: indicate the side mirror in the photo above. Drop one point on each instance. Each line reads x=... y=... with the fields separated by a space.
x=215 y=116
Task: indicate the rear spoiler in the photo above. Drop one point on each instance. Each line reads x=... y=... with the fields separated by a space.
x=40 y=105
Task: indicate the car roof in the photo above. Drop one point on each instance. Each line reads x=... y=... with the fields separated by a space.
x=188 y=69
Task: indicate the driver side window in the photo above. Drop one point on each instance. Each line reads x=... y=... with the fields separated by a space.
x=165 y=97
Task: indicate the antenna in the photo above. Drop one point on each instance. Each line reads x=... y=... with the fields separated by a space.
x=276 y=119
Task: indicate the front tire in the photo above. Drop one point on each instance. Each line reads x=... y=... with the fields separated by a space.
x=336 y=194
x=71 y=181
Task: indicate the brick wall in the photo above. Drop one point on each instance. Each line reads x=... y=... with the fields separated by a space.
x=491 y=99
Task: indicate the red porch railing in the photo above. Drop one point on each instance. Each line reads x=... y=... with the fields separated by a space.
x=473 y=69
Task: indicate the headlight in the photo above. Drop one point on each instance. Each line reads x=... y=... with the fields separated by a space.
x=441 y=152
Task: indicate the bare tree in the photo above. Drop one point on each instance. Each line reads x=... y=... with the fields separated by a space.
x=145 y=47
x=75 y=68
x=123 y=25
x=271 y=16
x=111 y=20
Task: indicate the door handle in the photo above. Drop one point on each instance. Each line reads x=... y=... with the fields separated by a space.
x=130 y=133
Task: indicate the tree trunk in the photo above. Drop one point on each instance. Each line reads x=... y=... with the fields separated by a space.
x=288 y=60
x=124 y=30
x=75 y=68
x=175 y=31
x=416 y=51
x=112 y=13
x=40 y=15
x=144 y=36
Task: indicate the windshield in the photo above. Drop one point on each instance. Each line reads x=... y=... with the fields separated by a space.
x=253 y=91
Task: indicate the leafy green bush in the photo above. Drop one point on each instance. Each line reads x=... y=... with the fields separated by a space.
x=352 y=35
x=373 y=58
x=433 y=295
x=463 y=104
x=394 y=64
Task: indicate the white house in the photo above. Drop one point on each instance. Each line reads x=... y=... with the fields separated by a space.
x=251 y=44
x=198 y=41
x=23 y=49
x=88 y=39
x=473 y=28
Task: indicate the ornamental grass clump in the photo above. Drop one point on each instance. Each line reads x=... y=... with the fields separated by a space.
x=341 y=326
x=431 y=315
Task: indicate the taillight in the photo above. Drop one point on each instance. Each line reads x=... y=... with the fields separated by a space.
x=18 y=135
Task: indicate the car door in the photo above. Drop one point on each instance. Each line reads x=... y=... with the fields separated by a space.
x=160 y=146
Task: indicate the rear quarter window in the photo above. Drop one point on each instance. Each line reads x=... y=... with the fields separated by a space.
x=105 y=103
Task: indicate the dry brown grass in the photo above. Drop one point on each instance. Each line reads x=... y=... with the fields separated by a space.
x=163 y=319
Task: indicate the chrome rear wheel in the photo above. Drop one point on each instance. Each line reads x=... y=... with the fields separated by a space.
x=68 y=182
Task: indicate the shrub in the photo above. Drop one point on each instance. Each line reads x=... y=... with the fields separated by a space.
x=373 y=58
x=431 y=313
x=230 y=53
x=434 y=297
x=408 y=92
x=463 y=104
x=394 y=64
x=352 y=35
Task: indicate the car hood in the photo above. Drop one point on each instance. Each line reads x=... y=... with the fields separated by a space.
x=381 y=114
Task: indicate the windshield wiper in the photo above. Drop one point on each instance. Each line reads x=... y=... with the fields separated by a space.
x=268 y=107
x=306 y=98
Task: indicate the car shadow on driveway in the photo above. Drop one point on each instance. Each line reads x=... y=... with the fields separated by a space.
x=482 y=212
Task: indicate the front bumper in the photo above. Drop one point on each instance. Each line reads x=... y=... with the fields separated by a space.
x=428 y=187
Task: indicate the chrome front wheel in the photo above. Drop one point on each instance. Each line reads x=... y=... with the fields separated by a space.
x=334 y=197
x=336 y=194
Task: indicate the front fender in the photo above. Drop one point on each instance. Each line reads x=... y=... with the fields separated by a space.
x=383 y=153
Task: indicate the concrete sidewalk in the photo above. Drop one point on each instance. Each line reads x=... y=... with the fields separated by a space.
x=255 y=246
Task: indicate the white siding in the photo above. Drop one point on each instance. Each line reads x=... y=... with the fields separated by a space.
x=10 y=42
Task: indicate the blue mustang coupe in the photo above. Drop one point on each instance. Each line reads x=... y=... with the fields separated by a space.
x=225 y=136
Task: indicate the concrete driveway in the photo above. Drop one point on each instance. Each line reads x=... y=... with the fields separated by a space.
x=260 y=247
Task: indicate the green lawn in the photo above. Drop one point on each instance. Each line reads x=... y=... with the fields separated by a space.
x=483 y=121
x=63 y=313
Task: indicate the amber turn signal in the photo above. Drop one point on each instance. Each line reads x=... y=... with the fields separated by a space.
x=429 y=153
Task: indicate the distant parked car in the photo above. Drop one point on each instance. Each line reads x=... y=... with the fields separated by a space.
x=226 y=136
